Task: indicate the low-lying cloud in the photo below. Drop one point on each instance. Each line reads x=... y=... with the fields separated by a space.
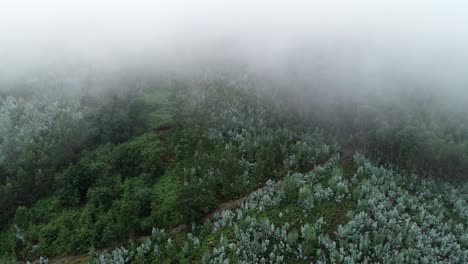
x=341 y=45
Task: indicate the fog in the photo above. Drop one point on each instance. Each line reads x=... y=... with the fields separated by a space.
x=337 y=47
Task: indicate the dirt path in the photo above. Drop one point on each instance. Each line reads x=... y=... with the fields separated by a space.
x=82 y=258
x=230 y=204
x=346 y=154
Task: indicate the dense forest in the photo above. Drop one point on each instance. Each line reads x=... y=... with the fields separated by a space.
x=216 y=171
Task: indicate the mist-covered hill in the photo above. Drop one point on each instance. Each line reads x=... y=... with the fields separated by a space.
x=233 y=132
x=84 y=174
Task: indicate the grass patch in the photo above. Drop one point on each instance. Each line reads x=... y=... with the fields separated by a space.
x=160 y=107
x=158 y=119
x=166 y=188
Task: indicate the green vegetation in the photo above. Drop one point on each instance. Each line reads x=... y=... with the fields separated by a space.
x=79 y=176
x=414 y=131
x=373 y=217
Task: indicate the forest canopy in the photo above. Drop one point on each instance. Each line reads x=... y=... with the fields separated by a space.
x=87 y=172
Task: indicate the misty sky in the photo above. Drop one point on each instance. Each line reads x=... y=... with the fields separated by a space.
x=363 y=39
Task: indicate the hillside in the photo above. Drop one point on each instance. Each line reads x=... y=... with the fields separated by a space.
x=214 y=173
x=331 y=214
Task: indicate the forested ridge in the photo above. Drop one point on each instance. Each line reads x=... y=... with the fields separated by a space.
x=224 y=132
x=83 y=173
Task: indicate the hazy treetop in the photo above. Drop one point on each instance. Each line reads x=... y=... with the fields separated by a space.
x=358 y=42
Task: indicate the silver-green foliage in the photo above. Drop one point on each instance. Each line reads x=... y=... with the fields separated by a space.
x=25 y=122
